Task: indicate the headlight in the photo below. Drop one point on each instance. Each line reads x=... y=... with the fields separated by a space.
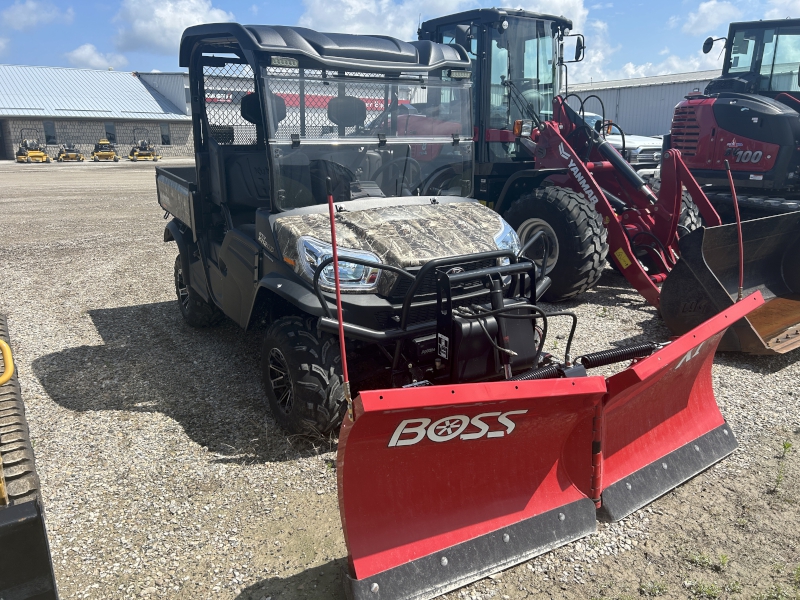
x=352 y=276
x=507 y=239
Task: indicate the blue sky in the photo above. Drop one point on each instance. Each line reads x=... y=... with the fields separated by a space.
x=624 y=38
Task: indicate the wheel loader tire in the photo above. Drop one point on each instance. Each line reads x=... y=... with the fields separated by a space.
x=581 y=247
x=690 y=214
x=301 y=374
x=16 y=451
x=196 y=311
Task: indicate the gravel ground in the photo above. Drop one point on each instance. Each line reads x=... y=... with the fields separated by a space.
x=164 y=476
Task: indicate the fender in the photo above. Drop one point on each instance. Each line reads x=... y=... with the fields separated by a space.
x=292 y=292
x=172 y=233
x=536 y=174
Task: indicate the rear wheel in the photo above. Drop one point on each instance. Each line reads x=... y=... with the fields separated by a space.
x=575 y=233
x=96 y=158
x=301 y=373
x=196 y=311
x=27 y=160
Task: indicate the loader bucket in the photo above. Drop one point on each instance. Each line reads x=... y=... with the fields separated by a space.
x=660 y=422
x=705 y=282
x=443 y=485
x=25 y=568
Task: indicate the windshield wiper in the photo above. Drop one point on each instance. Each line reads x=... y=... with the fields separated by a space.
x=519 y=100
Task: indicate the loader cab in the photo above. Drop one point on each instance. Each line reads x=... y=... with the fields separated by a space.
x=510 y=48
x=761 y=57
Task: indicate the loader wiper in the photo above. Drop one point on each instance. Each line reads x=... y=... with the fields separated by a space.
x=519 y=100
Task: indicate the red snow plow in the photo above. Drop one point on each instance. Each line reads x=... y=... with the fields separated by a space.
x=448 y=480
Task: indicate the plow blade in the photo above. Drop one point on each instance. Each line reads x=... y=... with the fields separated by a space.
x=660 y=421
x=441 y=486
x=705 y=281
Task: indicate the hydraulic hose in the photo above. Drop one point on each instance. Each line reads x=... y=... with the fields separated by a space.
x=615 y=355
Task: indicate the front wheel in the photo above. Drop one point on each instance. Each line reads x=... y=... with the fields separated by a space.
x=116 y=159
x=575 y=234
x=96 y=159
x=196 y=311
x=301 y=372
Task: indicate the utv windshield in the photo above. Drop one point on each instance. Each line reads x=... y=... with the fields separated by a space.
x=371 y=135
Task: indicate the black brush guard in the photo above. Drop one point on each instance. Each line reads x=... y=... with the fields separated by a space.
x=705 y=282
x=405 y=331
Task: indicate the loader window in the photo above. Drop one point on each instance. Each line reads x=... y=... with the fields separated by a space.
x=743 y=51
x=780 y=60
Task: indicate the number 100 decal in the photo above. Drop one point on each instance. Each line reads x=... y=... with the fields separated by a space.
x=748 y=156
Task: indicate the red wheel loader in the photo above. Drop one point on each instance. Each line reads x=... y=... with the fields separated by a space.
x=530 y=143
x=467 y=449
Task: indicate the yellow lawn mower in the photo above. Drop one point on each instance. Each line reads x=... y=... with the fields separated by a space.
x=142 y=148
x=68 y=152
x=30 y=150
x=105 y=150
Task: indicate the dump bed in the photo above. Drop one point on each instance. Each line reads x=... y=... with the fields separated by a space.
x=176 y=192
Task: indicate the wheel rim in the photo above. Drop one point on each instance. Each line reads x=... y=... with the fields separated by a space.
x=530 y=228
x=182 y=289
x=279 y=380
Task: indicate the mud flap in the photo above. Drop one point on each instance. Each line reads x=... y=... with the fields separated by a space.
x=660 y=421
x=25 y=568
x=441 y=486
x=705 y=282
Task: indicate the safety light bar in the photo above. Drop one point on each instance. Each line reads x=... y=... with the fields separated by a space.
x=283 y=61
x=460 y=74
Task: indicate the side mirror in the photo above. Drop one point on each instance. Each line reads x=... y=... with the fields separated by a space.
x=598 y=126
x=707 y=45
x=580 y=47
x=463 y=35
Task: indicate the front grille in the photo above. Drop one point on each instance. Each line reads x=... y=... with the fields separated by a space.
x=648 y=156
x=428 y=285
x=685 y=130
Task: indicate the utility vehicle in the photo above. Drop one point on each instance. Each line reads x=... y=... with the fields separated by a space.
x=277 y=111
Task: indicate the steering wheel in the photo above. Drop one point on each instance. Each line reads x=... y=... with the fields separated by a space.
x=395 y=163
x=432 y=184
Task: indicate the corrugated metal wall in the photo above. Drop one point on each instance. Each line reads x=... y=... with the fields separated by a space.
x=172 y=86
x=639 y=109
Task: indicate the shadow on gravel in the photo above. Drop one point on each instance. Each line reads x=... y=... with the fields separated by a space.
x=317 y=583
x=208 y=380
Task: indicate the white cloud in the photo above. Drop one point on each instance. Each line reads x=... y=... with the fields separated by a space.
x=3 y=44
x=254 y=9
x=673 y=21
x=157 y=25
x=780 y=9
x=665 y=51
x=89 y=57
x=711 y=15
x=32 y=13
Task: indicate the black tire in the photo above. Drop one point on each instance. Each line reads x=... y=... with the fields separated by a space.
x=196 y=311
x=690 y=214
x=96 y=159
x=312 y=400
x=581 y=249
x=16 y=451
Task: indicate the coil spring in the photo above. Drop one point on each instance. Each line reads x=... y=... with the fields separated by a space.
x=608 y=357
x=548 y=372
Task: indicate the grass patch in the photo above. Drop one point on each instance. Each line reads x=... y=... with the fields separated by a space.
x=653 y=588
x=733 y=587
x=705 y=590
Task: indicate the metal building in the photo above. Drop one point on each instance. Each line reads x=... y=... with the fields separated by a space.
x=80 y=106
x=644 y=105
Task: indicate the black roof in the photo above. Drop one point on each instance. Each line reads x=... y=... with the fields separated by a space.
x=492 y=15
x=332 y=50
x=775 y=23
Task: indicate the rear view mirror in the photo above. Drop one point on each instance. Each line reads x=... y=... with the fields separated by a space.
x=707 y=45
x=463 y=35
x=580 y=46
